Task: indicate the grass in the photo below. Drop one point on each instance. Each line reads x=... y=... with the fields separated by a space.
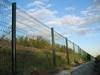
x=31 y=58
x=27 y=61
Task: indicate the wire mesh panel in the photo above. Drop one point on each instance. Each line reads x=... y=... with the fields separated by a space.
x=71 y=51
x=60 y=49
x=76 y=48
x=5 y=37
x=84 y=55
x=78 y=56
x=33 y=44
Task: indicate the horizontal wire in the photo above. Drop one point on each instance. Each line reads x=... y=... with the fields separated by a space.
x=26 y=34
x=5 y=2
x=59 y=35
x=42 y=24
x=5 y=7
x=33 y=17
x=20 y=31
x=26 y=25
x=34 y=25
x=33 y=33
x=3 y=30
x=56 y=32
x=30 y=27
x=6 y=26
x=48 y=27
x=31 y=21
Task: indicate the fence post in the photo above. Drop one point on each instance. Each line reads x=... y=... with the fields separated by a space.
x=13 y=38
x=67 y=51
x=80 y=50
x=53 y=46
x=73 y=51
x=88 y=57
x=85 y=54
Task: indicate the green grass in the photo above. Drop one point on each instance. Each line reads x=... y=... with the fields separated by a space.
x=27 y=61
x=33 y=55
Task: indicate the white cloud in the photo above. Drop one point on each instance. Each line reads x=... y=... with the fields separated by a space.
x=72 y=20
x=40 y=10
x=51 y=19
x=43 y=14
x=36 y=4
x=86 y=13
x=55 y=22
x=83 y=31
x=39 y=4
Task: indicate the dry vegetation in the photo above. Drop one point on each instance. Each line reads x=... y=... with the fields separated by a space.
x=31 y=55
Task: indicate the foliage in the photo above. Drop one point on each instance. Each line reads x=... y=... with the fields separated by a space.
x=38 y=42
x=35 y=54
x=27 y=61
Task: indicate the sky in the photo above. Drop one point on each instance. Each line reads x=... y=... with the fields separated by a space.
x=79 y=20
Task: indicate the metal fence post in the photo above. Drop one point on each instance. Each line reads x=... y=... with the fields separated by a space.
x=13 y=38
x=73 y=51
x=67 y=51
x=79 y=50
x=88 y=57
x=85 y=54
x=53 y=45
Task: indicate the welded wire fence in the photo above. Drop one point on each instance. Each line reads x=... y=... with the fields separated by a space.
x=34 y=42
x=5 y=38
x=35 y=39
x=38 y=47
